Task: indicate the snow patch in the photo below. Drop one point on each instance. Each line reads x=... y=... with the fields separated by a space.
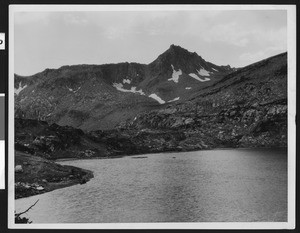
x=175 y=75
x=195 y=76
x=198 y=78
x=77 y=89
x=126 y=81
x=215 y=69
x=133 y=89
x=119 y=87
x=20 y=88
x=175 y=99
x=188 y=88
x=74 y=91
x=157 y=98
x=203 y=72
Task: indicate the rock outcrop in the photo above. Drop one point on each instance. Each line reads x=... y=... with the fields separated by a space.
x=40 y=175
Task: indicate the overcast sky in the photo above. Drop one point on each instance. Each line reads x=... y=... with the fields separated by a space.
x=53 y=39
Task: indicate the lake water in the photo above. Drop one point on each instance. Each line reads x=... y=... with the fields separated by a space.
x=203 y=186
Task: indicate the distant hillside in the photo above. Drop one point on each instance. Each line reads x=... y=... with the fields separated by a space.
x=93 y=97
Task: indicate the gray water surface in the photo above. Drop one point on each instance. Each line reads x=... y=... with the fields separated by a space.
x=204 y=186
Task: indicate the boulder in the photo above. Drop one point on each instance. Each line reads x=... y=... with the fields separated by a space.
x=18 y=169
x=39 y=188
x=188 y=121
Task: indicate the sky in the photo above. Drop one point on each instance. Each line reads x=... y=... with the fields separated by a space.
x=54 y=39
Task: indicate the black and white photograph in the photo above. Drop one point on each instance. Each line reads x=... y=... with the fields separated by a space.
x=152 y=116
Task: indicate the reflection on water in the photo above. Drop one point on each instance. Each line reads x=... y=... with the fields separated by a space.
x=202 y=186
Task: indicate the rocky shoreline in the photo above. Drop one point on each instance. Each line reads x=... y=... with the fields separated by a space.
x=35 y=175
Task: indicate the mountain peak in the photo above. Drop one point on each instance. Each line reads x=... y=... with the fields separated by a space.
x=177 y=49
x=174 y=53
x=173 y=46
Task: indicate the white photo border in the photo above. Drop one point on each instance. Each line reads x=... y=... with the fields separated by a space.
x=291 y=49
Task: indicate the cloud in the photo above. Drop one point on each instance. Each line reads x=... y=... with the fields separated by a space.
x=31 y=17
x=222 y=37
x=265 y=43
x=68 y=18
x=273 y=37
x=251 y=57
x=113 y=33
x=229 y=33
x=75 y=19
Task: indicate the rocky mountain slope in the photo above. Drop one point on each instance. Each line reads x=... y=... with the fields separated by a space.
x=246 y=108
x=101 y=96
x=53 y=141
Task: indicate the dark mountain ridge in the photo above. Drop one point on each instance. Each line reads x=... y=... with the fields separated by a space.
x=178 y=56
x=247 y=108
x=101 y=96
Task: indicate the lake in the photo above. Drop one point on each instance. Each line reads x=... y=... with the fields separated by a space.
x=229 y=185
